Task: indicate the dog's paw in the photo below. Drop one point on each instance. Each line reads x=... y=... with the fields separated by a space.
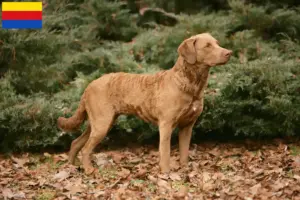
x=89 y=170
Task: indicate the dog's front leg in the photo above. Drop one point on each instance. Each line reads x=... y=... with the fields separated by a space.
x=185 y=134
x=165 y=132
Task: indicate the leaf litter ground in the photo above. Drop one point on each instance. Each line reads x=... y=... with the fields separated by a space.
x=245 y=170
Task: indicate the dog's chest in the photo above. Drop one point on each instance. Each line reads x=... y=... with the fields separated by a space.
x=190 y=112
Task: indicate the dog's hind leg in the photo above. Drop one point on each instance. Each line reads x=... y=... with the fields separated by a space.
x=99 y=128
x=78 y=143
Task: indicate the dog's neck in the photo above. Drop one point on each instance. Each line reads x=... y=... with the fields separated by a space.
x=191 y=78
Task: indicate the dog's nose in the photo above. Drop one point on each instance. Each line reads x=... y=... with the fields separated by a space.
x=228 y=53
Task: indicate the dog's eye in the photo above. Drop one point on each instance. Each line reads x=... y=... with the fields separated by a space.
x=208 y=45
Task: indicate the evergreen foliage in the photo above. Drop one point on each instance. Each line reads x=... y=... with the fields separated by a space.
x=43 y=73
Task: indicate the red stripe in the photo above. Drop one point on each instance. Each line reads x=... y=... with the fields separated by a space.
x=21 y=15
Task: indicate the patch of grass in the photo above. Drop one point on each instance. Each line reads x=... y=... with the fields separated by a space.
x=290 y=173
x=137 y=182
x=295 y=150
x=151 y=187
x=108 y=172
x=254 y=152
x=178 y=184
x=46 y=195
x=34 y=166
x=226 y=168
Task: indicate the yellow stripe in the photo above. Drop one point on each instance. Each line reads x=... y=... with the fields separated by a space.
x=22 y=6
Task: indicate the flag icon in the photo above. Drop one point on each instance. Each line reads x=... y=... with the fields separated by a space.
x=22 y=15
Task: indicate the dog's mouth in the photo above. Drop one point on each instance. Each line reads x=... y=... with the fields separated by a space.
x=223 y=62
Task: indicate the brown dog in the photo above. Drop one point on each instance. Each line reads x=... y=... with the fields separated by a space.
x=169 y=99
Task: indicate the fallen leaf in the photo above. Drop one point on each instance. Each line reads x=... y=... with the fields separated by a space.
x=20 y=161
x=47 y=155
x=164 y=184
x=183 y=192
x=60 y=158
x=101 y=159
x=117 y=157
x=74 y=188
x=215 y=151
x=99 y=193
x=19 y=195
x=5 y=181
x=42 y=182
x=140 y=173
x=297 y=177
x=254 y=189
x=205 y=176
x=296 y=162
x=152 y=179
x=192 y=174
x=62 y=175
x=175 y=176
x=135 y=160
x=7 y=193
x=164 y=176
x=31 y=183
x=124 y=173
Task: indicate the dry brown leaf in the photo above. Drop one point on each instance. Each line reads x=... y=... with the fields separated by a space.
x=164 y=184
x=164 y=176
x=19 y=195
x=182 y=193
x=31 y=183
x=254 y=189
x=60 y=157
x=62 y=175
x=206 y=176
x=117 y=157
x=20 y=162
x=152 y=179
x=124 y=173
x=74 y=188
x=175 y=176
x=297 y=177
x=47 y=155
x=98 y=194
x=135 y=160
x=192 y=174
x=140 y=173
x=7 y=193
x=101 y=159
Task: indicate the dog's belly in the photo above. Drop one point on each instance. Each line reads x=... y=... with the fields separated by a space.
x=142 y=111
x=146 y=114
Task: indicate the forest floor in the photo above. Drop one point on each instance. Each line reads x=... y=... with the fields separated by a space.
x=238 y=170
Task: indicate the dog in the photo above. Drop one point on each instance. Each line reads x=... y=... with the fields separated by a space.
x=169 y=99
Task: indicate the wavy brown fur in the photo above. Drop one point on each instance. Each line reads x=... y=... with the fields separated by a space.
x=168 y=99
x=73 y=123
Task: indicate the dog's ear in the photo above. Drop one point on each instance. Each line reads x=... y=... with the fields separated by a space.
x=188 y=51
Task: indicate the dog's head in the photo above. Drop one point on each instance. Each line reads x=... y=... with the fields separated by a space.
x=204 y=49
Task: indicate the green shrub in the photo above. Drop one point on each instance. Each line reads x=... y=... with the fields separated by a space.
x=269 y=25
x=262 y=98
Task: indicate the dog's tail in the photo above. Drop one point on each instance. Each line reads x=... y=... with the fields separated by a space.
x=73 y=123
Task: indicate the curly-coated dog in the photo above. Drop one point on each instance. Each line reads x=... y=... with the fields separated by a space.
x=170 y=98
